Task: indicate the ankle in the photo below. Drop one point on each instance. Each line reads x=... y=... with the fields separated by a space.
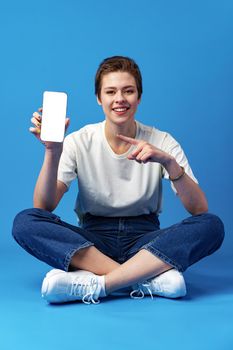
x=103 y=292
x=108 y=289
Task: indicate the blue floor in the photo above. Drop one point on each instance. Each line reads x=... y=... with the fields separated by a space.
x=201 y=320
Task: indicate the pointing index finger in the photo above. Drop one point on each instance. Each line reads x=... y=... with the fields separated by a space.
x=128 y=139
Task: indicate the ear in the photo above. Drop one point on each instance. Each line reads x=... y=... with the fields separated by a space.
x=98 y=101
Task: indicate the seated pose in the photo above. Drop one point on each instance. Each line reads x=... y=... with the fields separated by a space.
x=119 y=164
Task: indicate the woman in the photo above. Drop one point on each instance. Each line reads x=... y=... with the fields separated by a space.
x=119 y=164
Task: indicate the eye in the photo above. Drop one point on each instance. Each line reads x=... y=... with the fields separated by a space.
x=129 y=91
x=110 y=92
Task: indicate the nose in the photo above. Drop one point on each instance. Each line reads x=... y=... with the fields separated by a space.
x=119 y=97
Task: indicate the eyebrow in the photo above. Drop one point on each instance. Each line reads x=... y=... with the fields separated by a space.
x=124 y=87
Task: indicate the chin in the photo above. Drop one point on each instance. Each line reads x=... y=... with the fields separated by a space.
x=119 y=120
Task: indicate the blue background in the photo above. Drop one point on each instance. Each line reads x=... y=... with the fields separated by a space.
x=185 y=52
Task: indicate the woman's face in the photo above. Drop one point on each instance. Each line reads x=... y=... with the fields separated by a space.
x=119 y=97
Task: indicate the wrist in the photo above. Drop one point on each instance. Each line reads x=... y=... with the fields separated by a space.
x=53 y=152
x=168 y=162
x=55 y=147
x=175 y=171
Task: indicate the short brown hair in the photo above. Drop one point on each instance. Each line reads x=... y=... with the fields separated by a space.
x=114 y=64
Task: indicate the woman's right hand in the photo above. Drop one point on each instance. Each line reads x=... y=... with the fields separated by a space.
x=36 y=130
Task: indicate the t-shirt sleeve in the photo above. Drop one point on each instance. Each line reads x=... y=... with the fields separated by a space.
x=67 y=169
x=171 y=146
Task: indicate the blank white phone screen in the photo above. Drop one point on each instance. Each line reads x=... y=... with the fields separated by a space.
x=53 y=116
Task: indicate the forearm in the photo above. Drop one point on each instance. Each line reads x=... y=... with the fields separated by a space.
x=45 y=193
x=189 y=192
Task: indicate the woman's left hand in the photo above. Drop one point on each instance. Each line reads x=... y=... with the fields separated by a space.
x=144 y=151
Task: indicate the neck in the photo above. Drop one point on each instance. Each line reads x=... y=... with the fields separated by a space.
x=111 y=131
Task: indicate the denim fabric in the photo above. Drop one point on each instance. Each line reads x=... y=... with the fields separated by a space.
x=48 y=238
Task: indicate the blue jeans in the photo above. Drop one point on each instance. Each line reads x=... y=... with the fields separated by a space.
x=48 y=238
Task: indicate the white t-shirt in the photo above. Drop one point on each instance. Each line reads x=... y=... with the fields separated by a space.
x=109 y=184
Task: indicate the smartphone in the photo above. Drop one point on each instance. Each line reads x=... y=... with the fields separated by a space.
x=53 y=116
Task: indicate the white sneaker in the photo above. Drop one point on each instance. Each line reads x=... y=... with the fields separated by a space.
x=60 y=286
x=169 y=284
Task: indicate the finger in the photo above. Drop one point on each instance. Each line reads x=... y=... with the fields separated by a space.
x=37 y=116
x=141 y=155
x=138 y=149
x=128 y=139
x=34 y=131
x=130 y=157
x=36 y=122
x=133 y=158
x=144 y=149
x=140 y=161
x=40 y=109
x=134 y=155
x=147 y=157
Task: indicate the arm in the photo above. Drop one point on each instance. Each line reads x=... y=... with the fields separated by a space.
x=48 y=190
x=189 y=192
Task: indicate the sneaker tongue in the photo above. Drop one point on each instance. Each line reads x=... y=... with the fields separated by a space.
x=86 y=286
x=62 y=287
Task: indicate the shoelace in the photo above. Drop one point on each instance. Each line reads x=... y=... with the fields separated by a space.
x=139 y=292
x=86 y=289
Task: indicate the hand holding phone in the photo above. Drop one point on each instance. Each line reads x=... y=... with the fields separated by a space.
x=53 y=116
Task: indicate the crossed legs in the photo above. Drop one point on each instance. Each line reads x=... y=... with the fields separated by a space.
x=49 y=239
x=139 y=268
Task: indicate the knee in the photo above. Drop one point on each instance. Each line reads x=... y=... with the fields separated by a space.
x=215 y=229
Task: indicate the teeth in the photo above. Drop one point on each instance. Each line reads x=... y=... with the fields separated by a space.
x=120 y=109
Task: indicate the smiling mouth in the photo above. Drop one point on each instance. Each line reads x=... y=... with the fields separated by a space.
x=120 y=109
